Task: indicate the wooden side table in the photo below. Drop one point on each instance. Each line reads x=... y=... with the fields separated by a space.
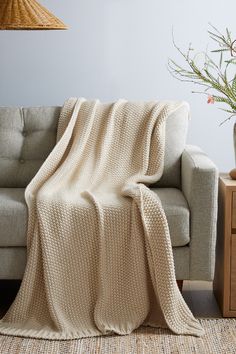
x=225 y=271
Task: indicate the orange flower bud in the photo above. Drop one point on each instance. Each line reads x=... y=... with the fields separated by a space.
x=210 y=100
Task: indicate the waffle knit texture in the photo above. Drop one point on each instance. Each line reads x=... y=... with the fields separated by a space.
x=99 y=251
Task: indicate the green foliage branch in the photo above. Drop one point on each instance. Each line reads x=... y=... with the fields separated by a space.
x=213 y=75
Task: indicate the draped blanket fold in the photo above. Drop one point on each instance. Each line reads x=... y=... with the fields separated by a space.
x=99 y=255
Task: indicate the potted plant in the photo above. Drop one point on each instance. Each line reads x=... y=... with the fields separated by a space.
x=215 y=75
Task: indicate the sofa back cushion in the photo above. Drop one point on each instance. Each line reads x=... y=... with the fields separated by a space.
x=27 y=136
x=176 y=134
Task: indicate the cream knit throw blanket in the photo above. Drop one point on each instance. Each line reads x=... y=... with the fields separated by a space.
x=99 y=251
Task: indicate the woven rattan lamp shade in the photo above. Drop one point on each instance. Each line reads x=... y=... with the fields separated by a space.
x=27 y=15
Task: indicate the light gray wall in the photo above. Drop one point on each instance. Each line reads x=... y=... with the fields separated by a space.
x=113 y=49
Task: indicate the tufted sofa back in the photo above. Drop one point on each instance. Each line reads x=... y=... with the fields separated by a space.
x=27 y=136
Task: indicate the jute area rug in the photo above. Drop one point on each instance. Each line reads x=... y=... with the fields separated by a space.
x=220 y=338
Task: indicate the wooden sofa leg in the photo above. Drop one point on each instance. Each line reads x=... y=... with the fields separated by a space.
x=180 y=285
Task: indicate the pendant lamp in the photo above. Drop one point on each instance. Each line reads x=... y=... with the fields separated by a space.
x=27 y=15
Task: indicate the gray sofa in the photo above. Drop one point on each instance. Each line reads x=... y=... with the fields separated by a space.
x=187 y=189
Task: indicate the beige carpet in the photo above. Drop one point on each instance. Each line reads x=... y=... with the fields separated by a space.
x=220 y=338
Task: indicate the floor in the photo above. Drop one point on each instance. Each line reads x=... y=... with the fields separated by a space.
x=198 y=295
x=200 y=299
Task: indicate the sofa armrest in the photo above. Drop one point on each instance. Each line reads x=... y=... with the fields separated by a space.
x=200 y=187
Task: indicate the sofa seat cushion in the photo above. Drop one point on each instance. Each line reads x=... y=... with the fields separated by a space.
x=177 y=213
x=13 y=216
